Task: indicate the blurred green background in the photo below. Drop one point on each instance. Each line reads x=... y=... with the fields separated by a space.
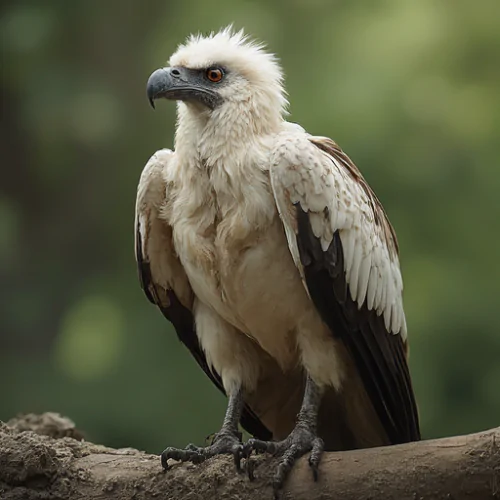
x=411 y=90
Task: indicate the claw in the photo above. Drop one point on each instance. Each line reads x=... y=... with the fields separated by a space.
x=315 y=457
x=238 y=455
x=164 y=462
x=250 y=467
x=298 y=443
x=285 y=466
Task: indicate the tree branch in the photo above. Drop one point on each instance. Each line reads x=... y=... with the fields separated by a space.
x=34 y=465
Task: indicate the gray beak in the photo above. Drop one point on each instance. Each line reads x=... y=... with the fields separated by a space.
x=181 y=84
x=158 y=85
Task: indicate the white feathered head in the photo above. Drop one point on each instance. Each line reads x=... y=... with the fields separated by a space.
x=223 y=74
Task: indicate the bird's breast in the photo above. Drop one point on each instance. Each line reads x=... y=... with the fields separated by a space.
x=217 y=246
x=238 y=262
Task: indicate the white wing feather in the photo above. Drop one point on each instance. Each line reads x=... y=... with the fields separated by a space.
x=302 y=172
x=154 y=246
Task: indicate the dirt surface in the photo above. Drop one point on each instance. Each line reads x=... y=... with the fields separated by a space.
x=47 y=424
x=34 y=465
x=45 y=463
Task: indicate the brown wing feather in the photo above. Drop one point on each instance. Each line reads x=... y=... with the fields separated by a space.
x=330 y=147
x=380 y=356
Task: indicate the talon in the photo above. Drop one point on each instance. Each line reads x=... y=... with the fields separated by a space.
x=168 y=453
x=285 y=466
x=247 y=450
x=238 y=455
x=250 y=467
x=314 y=468
x=315 y=457
x=164 y=461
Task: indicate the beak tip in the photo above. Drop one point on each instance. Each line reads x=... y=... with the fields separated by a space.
x=157 y=83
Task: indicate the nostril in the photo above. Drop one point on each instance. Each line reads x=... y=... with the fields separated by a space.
x=175 y=72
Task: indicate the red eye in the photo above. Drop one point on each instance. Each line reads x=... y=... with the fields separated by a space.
x=214 y=74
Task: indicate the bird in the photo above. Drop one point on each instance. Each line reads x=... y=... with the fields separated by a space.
x=275 y=262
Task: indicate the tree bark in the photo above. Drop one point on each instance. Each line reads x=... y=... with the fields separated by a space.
x=41 y=459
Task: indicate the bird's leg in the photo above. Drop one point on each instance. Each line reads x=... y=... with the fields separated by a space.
x=226 y=442
x=301 y=440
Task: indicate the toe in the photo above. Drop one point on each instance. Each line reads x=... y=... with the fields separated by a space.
x=164 y=461
x=169 y=453
x=250 y=468
x=261 y=447
x=238 y=452
x=187 y=455
x=285 y=466
x=315 y=457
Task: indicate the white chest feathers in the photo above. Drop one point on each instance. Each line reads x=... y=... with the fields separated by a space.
x=221 y=217
x=232 y=245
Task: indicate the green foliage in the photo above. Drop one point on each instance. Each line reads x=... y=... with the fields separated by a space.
x=409 y=89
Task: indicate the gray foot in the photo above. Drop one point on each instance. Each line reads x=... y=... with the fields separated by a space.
x=224 y=443
x=300 y=441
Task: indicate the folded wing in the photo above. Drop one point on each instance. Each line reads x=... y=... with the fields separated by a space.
x=346 y=252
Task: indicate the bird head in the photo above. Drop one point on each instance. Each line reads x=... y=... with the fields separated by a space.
x=223 y=76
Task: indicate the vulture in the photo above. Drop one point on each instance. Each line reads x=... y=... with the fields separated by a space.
x=275 y=262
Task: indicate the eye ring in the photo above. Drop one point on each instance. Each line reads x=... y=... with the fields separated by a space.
x=215 y=75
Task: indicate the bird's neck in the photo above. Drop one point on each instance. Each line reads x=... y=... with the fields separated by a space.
x=219 y=137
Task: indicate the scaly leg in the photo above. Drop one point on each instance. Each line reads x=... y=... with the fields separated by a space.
x=301 y=440
x=226 y=442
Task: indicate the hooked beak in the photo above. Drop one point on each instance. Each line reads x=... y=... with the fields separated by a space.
x=181 y=84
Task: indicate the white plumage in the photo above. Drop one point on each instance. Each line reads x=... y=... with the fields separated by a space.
x=326 y=185
x=270 y=254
